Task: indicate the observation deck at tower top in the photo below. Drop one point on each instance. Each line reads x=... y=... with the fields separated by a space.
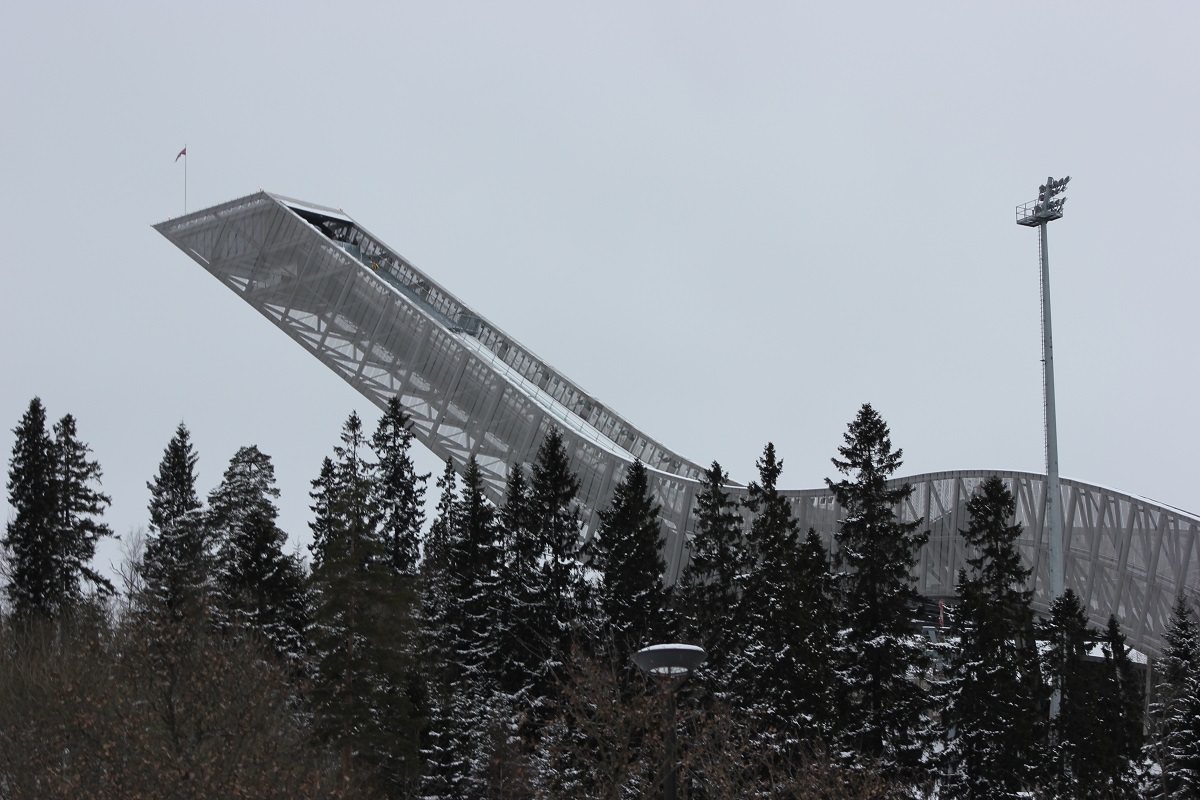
x=389 y=329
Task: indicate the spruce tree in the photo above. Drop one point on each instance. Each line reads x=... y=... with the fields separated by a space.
x=521 y=554
x=177 y=565
x=29 y=542
x=399 y=490
x=444 y=769
x=466 y=640
x=1120 y=708
x=555 y=524
x=1182 y=740
x=782 y=644
x=543 y=583
x=706 y=593
x=626 y=555
x=50 y=539
x=882 y=705
x=518 y=666
x=1175 y=711
x=324 y=499
x=475 y=569
x=79 y=506
x=994 y=714
x=1080 y=747
x=362 y=620
x=438 y=543
x=259 y=587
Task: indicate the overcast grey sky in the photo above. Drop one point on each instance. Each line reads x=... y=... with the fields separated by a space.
x=732 y=223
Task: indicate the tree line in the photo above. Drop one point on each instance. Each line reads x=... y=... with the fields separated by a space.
x=487 y=652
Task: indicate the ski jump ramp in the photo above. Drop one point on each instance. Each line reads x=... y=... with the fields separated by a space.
x=389 y=329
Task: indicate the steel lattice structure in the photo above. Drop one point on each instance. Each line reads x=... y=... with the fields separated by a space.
x=472 y=390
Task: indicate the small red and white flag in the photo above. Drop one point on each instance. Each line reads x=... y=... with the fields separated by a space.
x=182 y=153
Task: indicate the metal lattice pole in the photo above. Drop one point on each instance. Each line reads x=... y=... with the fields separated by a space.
x=1053 y=526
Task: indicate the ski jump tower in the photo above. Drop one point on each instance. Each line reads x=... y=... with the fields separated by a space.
x=389 y=330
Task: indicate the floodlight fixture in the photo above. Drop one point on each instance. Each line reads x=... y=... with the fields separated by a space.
x=1046 y=208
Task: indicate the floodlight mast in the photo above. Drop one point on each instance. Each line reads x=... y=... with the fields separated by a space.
x=1047 y=208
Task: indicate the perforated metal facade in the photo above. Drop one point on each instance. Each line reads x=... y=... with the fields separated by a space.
x=389 y=329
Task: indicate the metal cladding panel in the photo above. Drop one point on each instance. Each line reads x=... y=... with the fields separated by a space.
x=389 y=330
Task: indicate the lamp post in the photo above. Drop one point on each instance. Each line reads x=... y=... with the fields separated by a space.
x=670 y=661
x=1037 y=214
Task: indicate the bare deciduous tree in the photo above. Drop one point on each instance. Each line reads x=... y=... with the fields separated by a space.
x=86 y=711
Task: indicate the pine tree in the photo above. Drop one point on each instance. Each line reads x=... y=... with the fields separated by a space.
x=258 y=586
x=362 y=618
x=177 y=565
x=707 y=592
x=626 y=555
x=994 y=715
x=34 y=575
x=782 y=645
x=882 y=706
x=1175 y=711
x=400 y=491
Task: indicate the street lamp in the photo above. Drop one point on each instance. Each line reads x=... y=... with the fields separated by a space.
x=670 y=661
x=1036 y=214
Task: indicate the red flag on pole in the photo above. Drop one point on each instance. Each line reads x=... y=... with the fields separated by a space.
x=182 y=153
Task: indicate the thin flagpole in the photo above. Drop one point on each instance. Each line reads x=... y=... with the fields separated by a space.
x=183 y=155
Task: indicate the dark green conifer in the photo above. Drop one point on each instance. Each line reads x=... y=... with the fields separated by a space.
x=50 y=539
x=79 y=506
x=34 y=581
x=444 y=770
x=362 y=624
x=521 y=554
x=463 y=639
x=435 y=562
x=543 y=580
x=995 y=711
x=400 y=491
x=259 y=587
x=882 y=707
x=1121 y=700
x=1080 y=745
x=782 y=647
x=626 y=555
x=177 y=566
x=1175 y=710
x=476 y=569
x=707 y=590
x=555 y=524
